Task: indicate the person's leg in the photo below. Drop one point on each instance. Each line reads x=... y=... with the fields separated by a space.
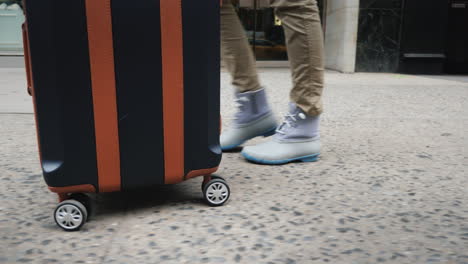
x=298 y=137
x=254 y=117
x=304 y=41
x=236 y=53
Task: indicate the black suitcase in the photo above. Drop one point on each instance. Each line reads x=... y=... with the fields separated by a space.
x=126 y=95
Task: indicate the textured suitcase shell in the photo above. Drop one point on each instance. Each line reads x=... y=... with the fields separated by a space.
x=126 y=95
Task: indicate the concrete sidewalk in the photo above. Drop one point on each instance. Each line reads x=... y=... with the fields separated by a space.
x=391 y=186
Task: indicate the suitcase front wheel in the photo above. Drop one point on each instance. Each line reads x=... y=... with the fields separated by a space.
x=70 y=215
x=216 y=191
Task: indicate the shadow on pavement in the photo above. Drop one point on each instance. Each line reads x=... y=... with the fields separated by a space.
x=151 y=198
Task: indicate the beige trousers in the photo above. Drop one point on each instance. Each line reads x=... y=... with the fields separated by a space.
x=304 y=41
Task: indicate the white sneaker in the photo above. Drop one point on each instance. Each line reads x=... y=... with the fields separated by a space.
x=274 y=152
x=238 y=135
x=297 y=139
x=254 y=118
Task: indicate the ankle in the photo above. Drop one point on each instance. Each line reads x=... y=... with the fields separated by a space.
x=298 y=125
x=253 y=105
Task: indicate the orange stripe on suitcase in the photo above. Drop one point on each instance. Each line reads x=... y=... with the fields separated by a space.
x=173 y=90
x=101 y=52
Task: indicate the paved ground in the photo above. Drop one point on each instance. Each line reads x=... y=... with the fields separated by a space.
x=391 y=186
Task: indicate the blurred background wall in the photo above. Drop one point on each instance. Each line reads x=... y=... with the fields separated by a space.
x=407 y=36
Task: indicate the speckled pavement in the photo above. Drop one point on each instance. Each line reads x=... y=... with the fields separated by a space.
x=390 y=187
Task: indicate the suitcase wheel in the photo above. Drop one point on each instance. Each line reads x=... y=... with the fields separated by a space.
x=84 y=199
x=216 y=191
x=210 y=177
x=70 y=215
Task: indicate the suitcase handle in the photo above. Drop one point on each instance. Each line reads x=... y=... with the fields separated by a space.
x=27 y=59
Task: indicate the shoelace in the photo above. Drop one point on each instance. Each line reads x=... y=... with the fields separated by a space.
x=289 y=121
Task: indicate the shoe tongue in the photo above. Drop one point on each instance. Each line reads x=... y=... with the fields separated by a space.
x=293 y=110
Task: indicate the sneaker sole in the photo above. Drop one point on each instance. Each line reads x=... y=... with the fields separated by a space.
x=269 y=133
x=309 y=158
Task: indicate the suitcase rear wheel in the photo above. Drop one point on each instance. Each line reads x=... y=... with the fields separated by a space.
x=216 y=191
x=70 y=215
x=83 y=199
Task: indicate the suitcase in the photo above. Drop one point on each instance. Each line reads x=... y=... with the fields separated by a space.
x=126 y=95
